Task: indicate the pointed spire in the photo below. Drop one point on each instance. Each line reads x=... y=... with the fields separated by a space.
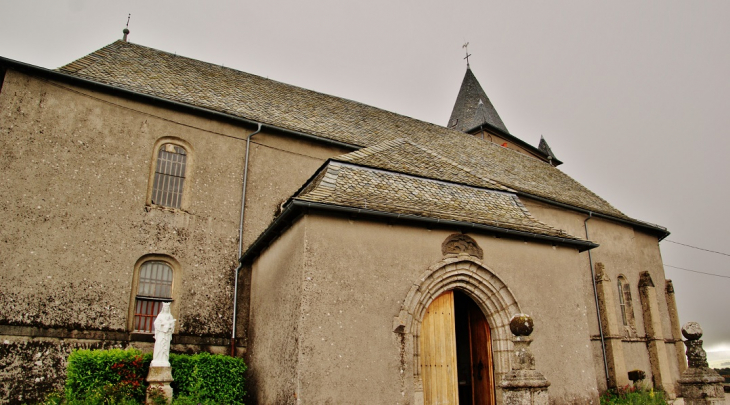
x=472 y=107
x=545 y=148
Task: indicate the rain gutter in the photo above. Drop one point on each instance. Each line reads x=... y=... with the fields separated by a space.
x=662 y=231
x=295 y=206
x=240 y=240
x=514 y=139
x=598 y=306
x=24 y=67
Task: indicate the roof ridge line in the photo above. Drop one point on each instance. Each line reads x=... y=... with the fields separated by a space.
x=87 y=60
x=106 y=48
x=371 y=150
x=327 y=182
x=458 y=165
x=528 y=213
x=508 y=191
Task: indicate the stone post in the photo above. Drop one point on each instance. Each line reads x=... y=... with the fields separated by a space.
x=523 y=385
x=700 y=384
x=654 y=336
x=617 y=374
x=676 y=328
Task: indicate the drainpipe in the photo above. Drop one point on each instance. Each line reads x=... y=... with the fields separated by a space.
x=595 y=297
x=240 y=241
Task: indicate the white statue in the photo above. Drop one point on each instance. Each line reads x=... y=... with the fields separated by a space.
x=164 y=325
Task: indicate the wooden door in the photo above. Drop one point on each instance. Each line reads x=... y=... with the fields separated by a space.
x=480 y=339
x=438 y=352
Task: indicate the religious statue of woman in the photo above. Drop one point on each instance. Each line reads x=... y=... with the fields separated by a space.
x=164 y=326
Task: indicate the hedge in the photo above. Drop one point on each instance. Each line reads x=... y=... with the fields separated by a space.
x=118 y=376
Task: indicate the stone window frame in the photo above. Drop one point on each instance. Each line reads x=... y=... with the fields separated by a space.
x=189 y=161
x=175 y=296
x=626 y=306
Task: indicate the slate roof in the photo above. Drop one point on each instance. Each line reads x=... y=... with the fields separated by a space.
x=431 y=151
x=472 y=107
x=404 y=156
x=355 y=186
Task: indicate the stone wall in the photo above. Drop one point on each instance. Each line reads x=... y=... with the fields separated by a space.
x=32 y=368
x=76 y=165
x=355 y=278
x=624 y=251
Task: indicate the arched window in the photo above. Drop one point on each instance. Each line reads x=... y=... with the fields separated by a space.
x=624 y=300
x=154 y=286
x=169 y=175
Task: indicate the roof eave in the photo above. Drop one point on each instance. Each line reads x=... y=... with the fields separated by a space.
x=60 y=76
x=555 y=161
x=295 y=207
x=659 y=230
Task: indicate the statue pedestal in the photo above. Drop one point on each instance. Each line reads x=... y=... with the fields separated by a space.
x=159 y=379
x=700 y=384
x=523 y=385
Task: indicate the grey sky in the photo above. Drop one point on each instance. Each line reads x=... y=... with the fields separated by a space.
x=631 y=96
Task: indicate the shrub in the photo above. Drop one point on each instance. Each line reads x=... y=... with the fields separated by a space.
x=209 y=377
x=118 y=377
x=106 y=376
x=633 y=395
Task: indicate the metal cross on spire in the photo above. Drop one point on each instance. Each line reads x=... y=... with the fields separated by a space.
x=466 y=47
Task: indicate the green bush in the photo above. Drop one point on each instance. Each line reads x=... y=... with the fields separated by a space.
x=118 y=377
x=633 y=395
x=106 y=376
x=209 y=377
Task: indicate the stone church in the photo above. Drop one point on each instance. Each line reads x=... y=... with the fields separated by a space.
x=350 y=254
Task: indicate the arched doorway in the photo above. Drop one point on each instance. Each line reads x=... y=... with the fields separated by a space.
x=456 y=352
x=495 y=299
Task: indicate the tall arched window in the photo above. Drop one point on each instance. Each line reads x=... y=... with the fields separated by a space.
x=624 y=300
x=169 y=175
x=154 y=286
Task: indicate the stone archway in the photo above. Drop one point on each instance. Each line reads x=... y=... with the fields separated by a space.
x=467 y=274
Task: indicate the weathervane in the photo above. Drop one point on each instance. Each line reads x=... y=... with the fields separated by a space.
x=466 y=47
x=126 y=30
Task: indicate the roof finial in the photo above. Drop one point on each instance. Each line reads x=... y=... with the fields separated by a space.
x=466 y=47
x=126 y=30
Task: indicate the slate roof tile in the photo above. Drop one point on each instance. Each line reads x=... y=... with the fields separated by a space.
x=457 y=156
x=472 y=107
x=366 y=188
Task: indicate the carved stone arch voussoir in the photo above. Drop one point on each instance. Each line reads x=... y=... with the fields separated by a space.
x=469 y=275
x=460 y=244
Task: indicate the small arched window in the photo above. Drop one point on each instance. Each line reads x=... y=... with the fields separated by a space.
x=154 y=286
x=169 y=175
x=624 y=300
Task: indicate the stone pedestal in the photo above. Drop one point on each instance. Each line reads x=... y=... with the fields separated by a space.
x=523 y=385
x=700 y=385
x=159 y=379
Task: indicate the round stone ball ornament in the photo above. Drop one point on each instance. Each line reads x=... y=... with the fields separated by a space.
x=521 y=325
x=692 y=331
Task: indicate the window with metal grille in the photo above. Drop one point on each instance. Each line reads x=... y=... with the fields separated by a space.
x=154 y=288
x=167 y=186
